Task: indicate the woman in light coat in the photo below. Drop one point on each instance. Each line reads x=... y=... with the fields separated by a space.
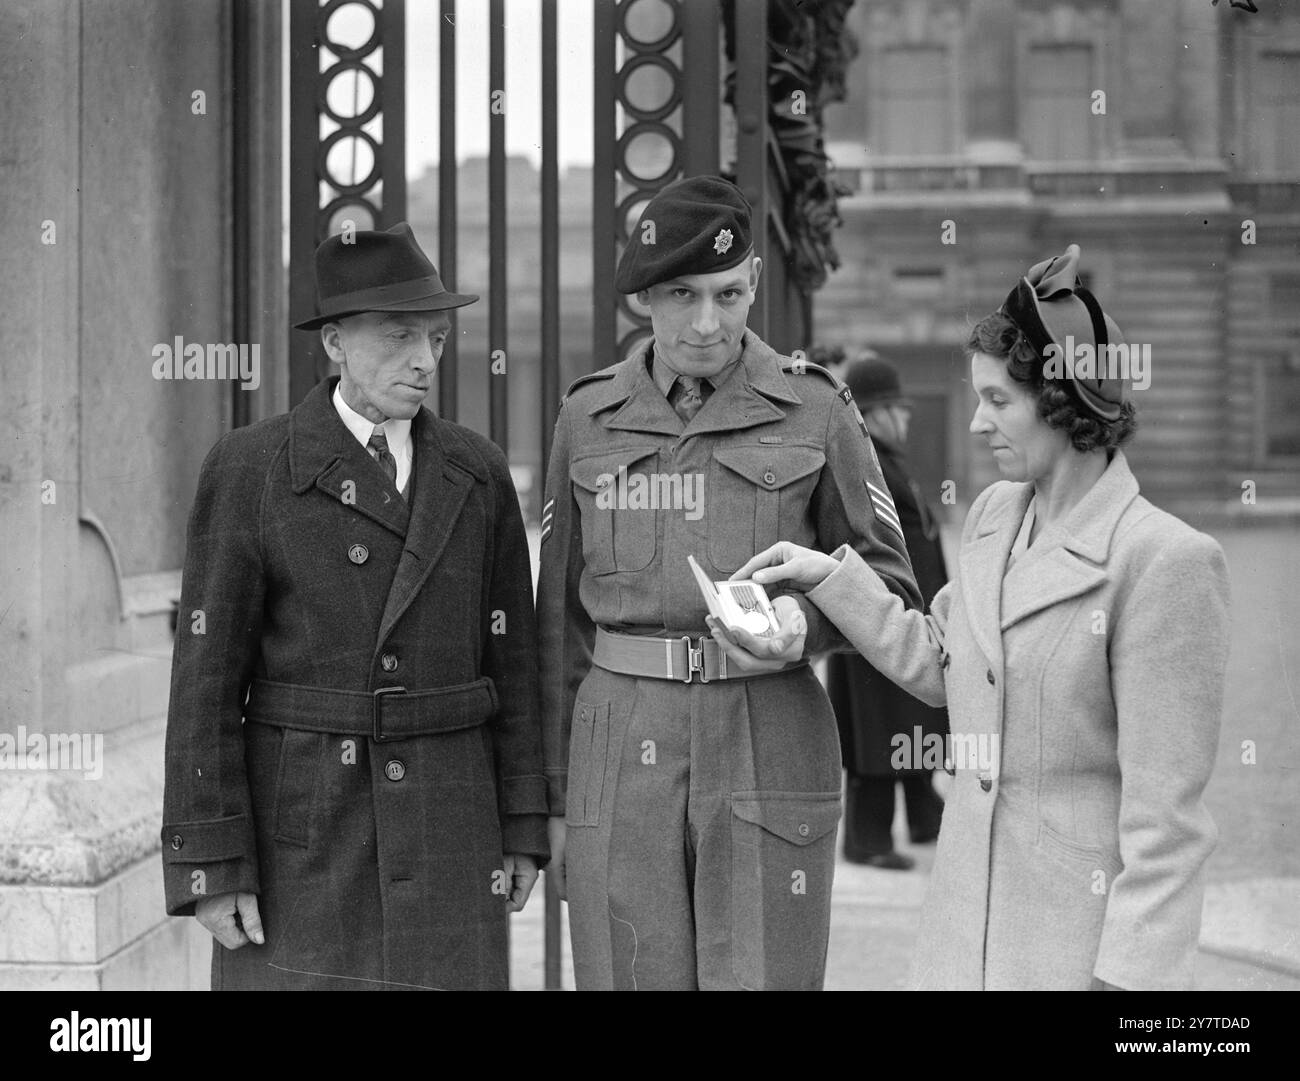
x=1081 y=653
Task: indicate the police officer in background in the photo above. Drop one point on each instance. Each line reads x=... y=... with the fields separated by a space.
x=695 y=798
x=871 y=710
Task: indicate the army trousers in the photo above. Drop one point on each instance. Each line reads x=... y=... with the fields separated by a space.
x=701 y=826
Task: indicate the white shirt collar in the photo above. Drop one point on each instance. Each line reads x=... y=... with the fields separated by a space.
x=397 y=432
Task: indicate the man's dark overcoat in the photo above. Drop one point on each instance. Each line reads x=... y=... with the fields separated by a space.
x=869 y=708
x=377 y=864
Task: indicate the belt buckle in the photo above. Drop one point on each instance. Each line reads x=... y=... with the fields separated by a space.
x=694 y=659
x=376 y=730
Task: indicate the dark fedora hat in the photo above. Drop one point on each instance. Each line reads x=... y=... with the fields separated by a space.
x=874 y=381
x=373 y=271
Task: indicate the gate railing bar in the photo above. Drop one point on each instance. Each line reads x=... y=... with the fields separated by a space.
x=392 y=152
x=701 y=91
x=604 y=235
x=447 y=388
x=498 y=387
x=553 y=943
x=304 y=188
x=751 y=141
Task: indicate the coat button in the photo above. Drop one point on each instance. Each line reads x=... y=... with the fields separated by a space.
x=395 y=770
x=989 y=676
x=804 y=829
x=358 y=553
x=986 y=782
x=388 y=662
x=177 y=842
x=769 y=477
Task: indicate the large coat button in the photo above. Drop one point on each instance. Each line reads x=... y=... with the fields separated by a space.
x=769 y=477
x=358 y=553
x=388 y=662
x=986 y=781
x=395 y=770
x=177 y=842
x=989 y=676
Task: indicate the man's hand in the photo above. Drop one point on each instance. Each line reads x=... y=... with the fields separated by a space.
x=750 y=653
x=521 y=872
x=555 y=832
x=788 y=564
x=232 y=918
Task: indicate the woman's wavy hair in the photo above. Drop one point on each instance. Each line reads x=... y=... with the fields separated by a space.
x=998 y=337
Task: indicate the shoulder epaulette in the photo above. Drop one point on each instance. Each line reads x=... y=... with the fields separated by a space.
x=805 y=367
x=590 y=377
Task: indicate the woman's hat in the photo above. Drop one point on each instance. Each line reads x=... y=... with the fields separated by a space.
x=1050 y=306
x=372 y=271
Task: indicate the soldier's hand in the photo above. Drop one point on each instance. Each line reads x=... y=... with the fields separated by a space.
x=521 y=872
x=788 y=564
x=555 y=832
x=232 y=918
x=751 y=653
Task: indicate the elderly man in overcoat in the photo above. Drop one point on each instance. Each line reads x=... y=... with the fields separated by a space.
x=696 y=803
x=354 y=794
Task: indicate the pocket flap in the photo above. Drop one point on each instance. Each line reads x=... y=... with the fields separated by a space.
x=600 y=470
x=771 y=467
x=797 y=817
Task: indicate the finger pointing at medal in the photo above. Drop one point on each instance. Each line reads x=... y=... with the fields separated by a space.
x=788 y=564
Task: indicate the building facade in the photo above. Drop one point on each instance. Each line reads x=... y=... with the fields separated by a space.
x=980 y=137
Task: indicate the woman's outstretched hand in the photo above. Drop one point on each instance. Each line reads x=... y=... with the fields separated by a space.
x=788 y=564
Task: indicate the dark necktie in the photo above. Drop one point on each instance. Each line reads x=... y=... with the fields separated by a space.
x=687 y=397
x=378 y=446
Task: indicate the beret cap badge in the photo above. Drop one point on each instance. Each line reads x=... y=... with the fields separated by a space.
x=722 y=242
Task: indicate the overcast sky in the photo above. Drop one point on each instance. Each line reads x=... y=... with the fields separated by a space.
x=523 y=81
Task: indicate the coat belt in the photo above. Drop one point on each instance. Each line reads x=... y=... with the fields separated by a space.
x=389 y=713
x=679 y=657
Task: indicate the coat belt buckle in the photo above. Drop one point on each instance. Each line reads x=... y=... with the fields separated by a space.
x=694 y=659
x=376 y=713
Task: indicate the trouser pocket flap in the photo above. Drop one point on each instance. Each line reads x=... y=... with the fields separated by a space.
x=797 y=818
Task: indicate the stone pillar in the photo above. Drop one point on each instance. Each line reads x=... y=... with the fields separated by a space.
x=117 y=215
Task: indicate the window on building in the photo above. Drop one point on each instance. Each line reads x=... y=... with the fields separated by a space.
x=915 y=102
x=1273 y=116
x=1279 y=406
x=919 y=283
x=1056 y=108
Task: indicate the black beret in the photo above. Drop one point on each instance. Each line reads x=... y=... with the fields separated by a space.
x=698 y=225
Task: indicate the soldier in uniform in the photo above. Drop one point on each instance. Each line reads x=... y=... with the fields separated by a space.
x=694 y=801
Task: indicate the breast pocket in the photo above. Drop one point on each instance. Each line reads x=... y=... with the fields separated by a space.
x=616 y=495
x=758 y=494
